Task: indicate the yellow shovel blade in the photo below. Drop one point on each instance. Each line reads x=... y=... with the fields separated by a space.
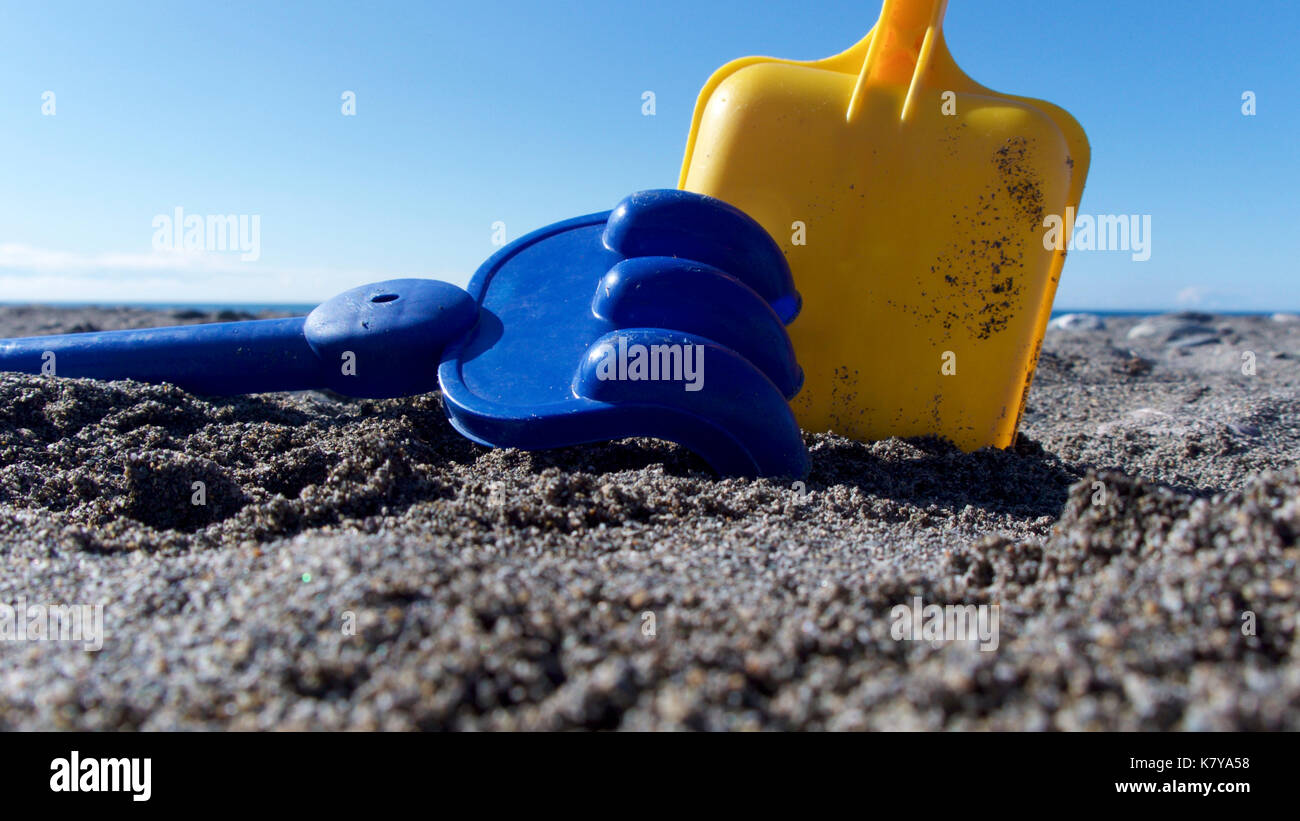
x=916 y=210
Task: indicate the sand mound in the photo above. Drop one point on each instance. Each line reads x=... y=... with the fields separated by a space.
x=358 y=564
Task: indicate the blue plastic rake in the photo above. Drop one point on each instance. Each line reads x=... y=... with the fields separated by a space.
x=662 y=318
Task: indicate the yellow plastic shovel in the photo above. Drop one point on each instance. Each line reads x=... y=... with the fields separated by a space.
x=914 y=206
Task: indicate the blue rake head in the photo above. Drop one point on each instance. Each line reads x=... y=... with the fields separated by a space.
x=662 y=318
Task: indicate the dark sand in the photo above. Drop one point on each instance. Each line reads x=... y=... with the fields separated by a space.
x=503 y=589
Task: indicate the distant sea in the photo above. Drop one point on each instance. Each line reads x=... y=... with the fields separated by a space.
x=1153 y=311
x=202 y=307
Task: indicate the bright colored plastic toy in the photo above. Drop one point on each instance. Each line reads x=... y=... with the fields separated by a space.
x=663 y=318
x=910 y=202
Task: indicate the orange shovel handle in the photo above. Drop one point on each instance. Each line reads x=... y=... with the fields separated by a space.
x=901 y=47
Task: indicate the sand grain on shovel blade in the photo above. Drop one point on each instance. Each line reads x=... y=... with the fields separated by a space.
x=358 y=564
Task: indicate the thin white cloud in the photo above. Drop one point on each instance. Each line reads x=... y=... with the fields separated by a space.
x=1208 y=298
x=30 y=274
x=18 y=257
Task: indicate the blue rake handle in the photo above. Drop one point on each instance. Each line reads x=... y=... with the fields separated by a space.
x=377 y=341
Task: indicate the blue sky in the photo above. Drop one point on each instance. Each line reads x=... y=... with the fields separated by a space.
x=526 y=113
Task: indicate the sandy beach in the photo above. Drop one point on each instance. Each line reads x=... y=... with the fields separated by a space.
x=359 y=565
